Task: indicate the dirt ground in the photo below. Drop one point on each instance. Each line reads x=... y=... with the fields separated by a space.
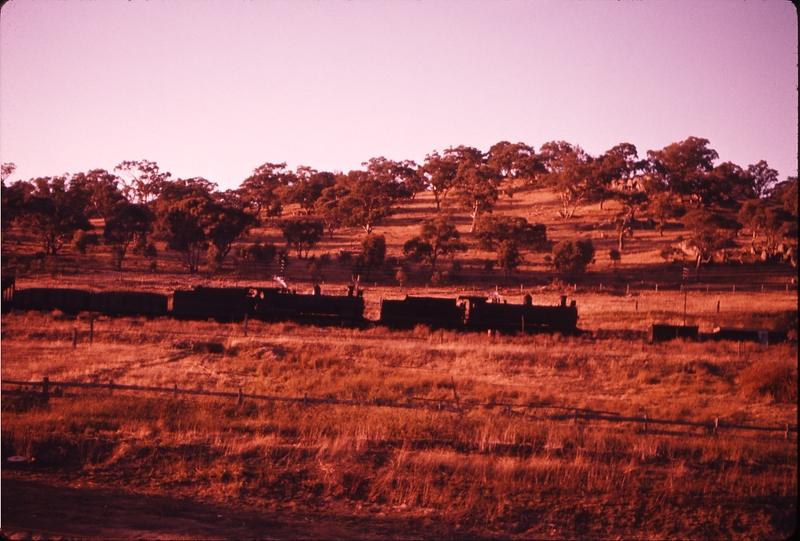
x=37 y=507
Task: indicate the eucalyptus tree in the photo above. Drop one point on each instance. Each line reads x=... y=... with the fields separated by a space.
x=681 y=168
x=762 y=178
x=307 y=186
x=142 y=180
x=366 y=198
x=53 y=210
x=102 y=190
x=127 y=224
x=439 y=174
x=517 y=164
x=476 y=182
x=437 y=237
x=570 y=174
x=264 y=189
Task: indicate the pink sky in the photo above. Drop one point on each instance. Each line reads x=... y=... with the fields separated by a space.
x=215 y=88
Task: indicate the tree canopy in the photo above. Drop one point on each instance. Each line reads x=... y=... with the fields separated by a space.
x=437 y=237
x=571 y=257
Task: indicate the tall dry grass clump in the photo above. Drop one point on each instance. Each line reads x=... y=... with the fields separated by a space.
x=774 y=380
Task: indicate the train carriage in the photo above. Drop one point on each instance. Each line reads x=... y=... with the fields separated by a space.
x=434 y=312
x=219 y=303
x=69 y=301
x=129 y=303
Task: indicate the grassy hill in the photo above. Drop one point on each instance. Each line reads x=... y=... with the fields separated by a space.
x=641 y=261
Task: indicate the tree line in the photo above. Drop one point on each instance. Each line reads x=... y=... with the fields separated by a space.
x=140 y=203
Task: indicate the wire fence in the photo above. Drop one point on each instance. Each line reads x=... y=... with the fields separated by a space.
x=455 y=405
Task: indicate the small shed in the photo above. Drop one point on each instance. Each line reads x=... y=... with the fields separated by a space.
x=765 y=337
x=664 y=333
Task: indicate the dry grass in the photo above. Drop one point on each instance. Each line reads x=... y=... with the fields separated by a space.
x=511 y=474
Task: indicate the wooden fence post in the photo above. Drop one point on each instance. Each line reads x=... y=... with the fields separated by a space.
x=175 y=391
x=45 y=389
x=240 y=396
x=458 y=403
x=716 y=425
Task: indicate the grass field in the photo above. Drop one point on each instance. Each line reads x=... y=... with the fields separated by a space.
x=484 y=472
x=378 y=472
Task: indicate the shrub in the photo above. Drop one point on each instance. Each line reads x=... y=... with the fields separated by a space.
x=401 y=277
x=508 y=257
x=373 y=251
x=776 y=380
x=572 y=257
x=317 y=266
x=83 y=240
x=262 y=254
x=302 y=234
x=150 y=251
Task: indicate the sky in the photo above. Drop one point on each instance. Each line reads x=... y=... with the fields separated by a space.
x=215 y=88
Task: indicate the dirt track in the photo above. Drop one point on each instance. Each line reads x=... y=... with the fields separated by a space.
x=37 y=509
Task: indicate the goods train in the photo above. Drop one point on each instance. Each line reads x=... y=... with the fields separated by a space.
x=464 y=313
x=470 y=313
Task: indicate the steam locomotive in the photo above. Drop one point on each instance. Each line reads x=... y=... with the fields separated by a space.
x=477 y=313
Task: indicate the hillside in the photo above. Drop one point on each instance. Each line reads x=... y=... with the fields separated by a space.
x=641 y=261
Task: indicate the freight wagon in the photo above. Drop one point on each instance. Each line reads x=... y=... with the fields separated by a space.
x=434 y=312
